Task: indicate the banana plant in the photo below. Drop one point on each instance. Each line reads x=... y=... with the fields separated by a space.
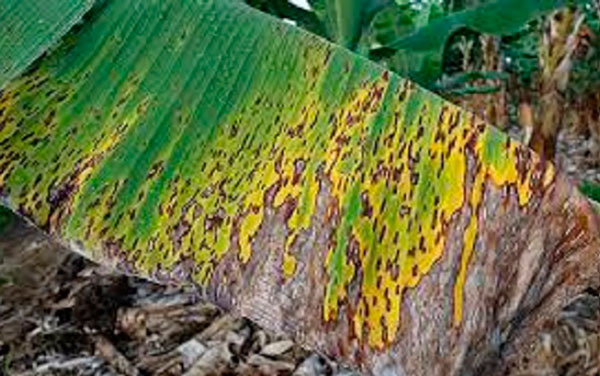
x=291 y=181
x=343 y=22
x=419 y=53
x=409 y=36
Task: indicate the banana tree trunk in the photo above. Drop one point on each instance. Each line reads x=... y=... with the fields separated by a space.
x=491 y=107
x=495 y=109
x=297 y=184
x=526 y=111
x=558 y=45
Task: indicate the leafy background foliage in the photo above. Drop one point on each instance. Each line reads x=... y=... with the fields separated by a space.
x=411 y=36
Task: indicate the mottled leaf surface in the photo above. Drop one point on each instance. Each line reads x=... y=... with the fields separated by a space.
x=301 y=185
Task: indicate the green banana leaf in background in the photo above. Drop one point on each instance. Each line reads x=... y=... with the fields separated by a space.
x=418 y=53
x=292 y=181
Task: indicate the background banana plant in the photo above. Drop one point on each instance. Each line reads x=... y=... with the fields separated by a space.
x=291 y=181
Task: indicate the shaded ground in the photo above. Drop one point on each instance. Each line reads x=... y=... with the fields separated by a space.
x=62 y=315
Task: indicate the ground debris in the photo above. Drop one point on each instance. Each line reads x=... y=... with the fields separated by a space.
x=571 y=346
x=81 y=319
x=107 y=351
x=277 y=348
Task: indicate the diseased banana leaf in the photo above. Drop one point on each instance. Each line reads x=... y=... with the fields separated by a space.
x=295 y=183
x=29 y=28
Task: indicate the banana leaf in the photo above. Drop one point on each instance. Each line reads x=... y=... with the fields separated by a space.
x=295 y=183
x=343 y=19
x=284 y=9
x=424 y=47
x=29 y=28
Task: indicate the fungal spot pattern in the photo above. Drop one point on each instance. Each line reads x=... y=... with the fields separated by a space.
x=178 y=159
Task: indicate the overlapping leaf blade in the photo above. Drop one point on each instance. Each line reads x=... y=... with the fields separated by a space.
x=29 y=28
